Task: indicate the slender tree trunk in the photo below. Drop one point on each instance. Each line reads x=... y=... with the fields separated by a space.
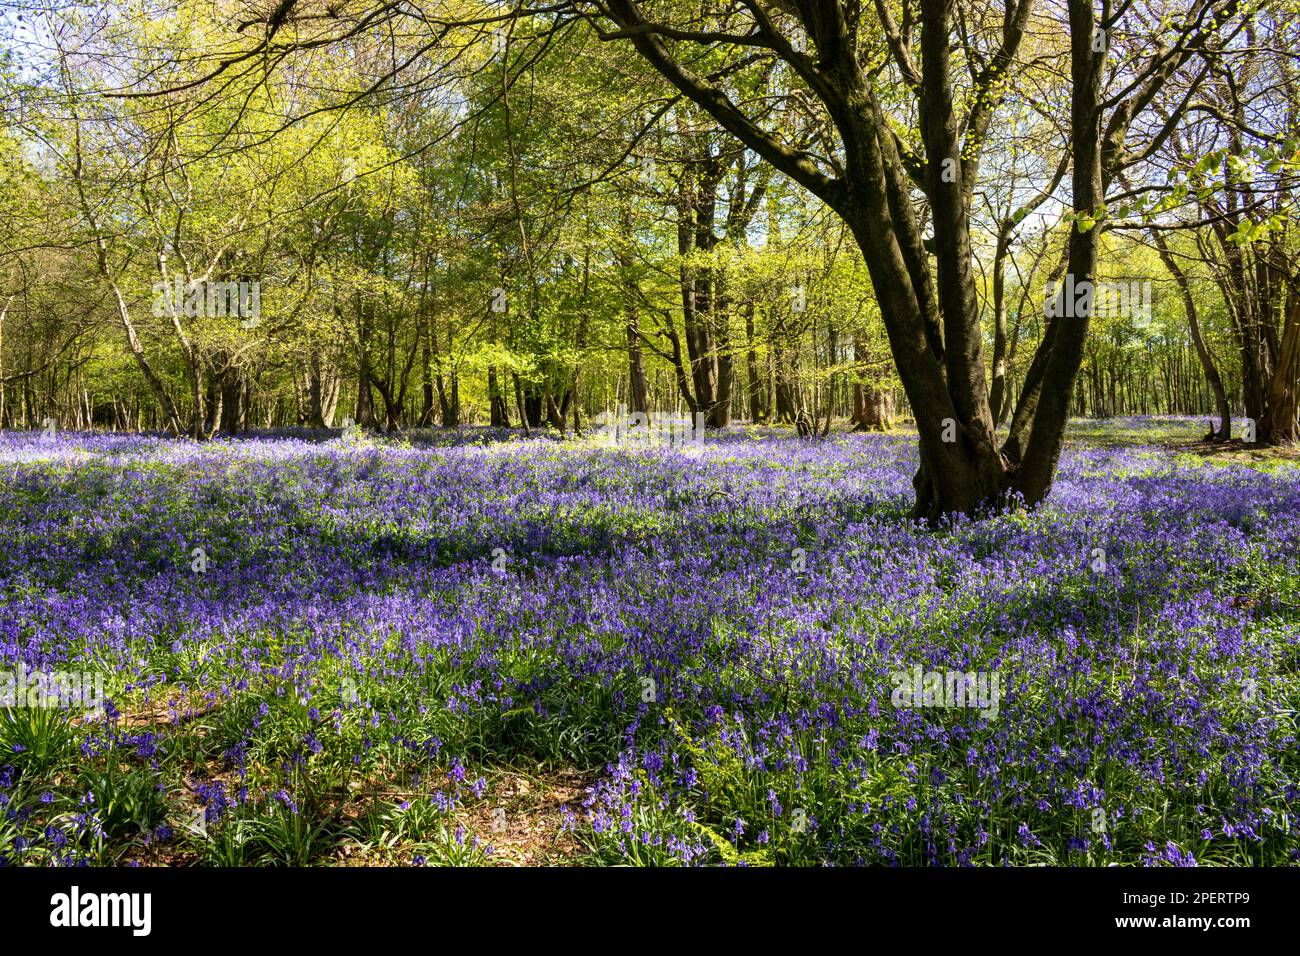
x=751 y=367
x=519 y=404
x=1069 y=331
x=1284 y=391
x=1208 y=365
x=499 y=414
x=3 y=312
x=997 y=390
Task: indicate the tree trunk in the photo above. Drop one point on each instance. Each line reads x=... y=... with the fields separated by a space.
x=1281 y=425
x=499 y=412
x=932 y=319
x=1061 y=351
x=364 y=412
x=1202 y=350
x=751 y=368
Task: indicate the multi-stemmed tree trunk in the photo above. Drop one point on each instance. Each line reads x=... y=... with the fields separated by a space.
x=933 y=328
x=932 y=318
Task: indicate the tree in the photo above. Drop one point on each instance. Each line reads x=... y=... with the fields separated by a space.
x=869 y=176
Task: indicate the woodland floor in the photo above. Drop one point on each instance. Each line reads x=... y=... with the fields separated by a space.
x=489 y=651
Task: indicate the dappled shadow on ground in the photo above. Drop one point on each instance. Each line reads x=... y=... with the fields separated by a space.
x=1235 y=450
x=706 y=642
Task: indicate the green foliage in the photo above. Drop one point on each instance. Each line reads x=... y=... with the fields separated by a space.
x=37 y=741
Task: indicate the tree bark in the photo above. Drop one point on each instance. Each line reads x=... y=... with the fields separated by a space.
x=1208 y=365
